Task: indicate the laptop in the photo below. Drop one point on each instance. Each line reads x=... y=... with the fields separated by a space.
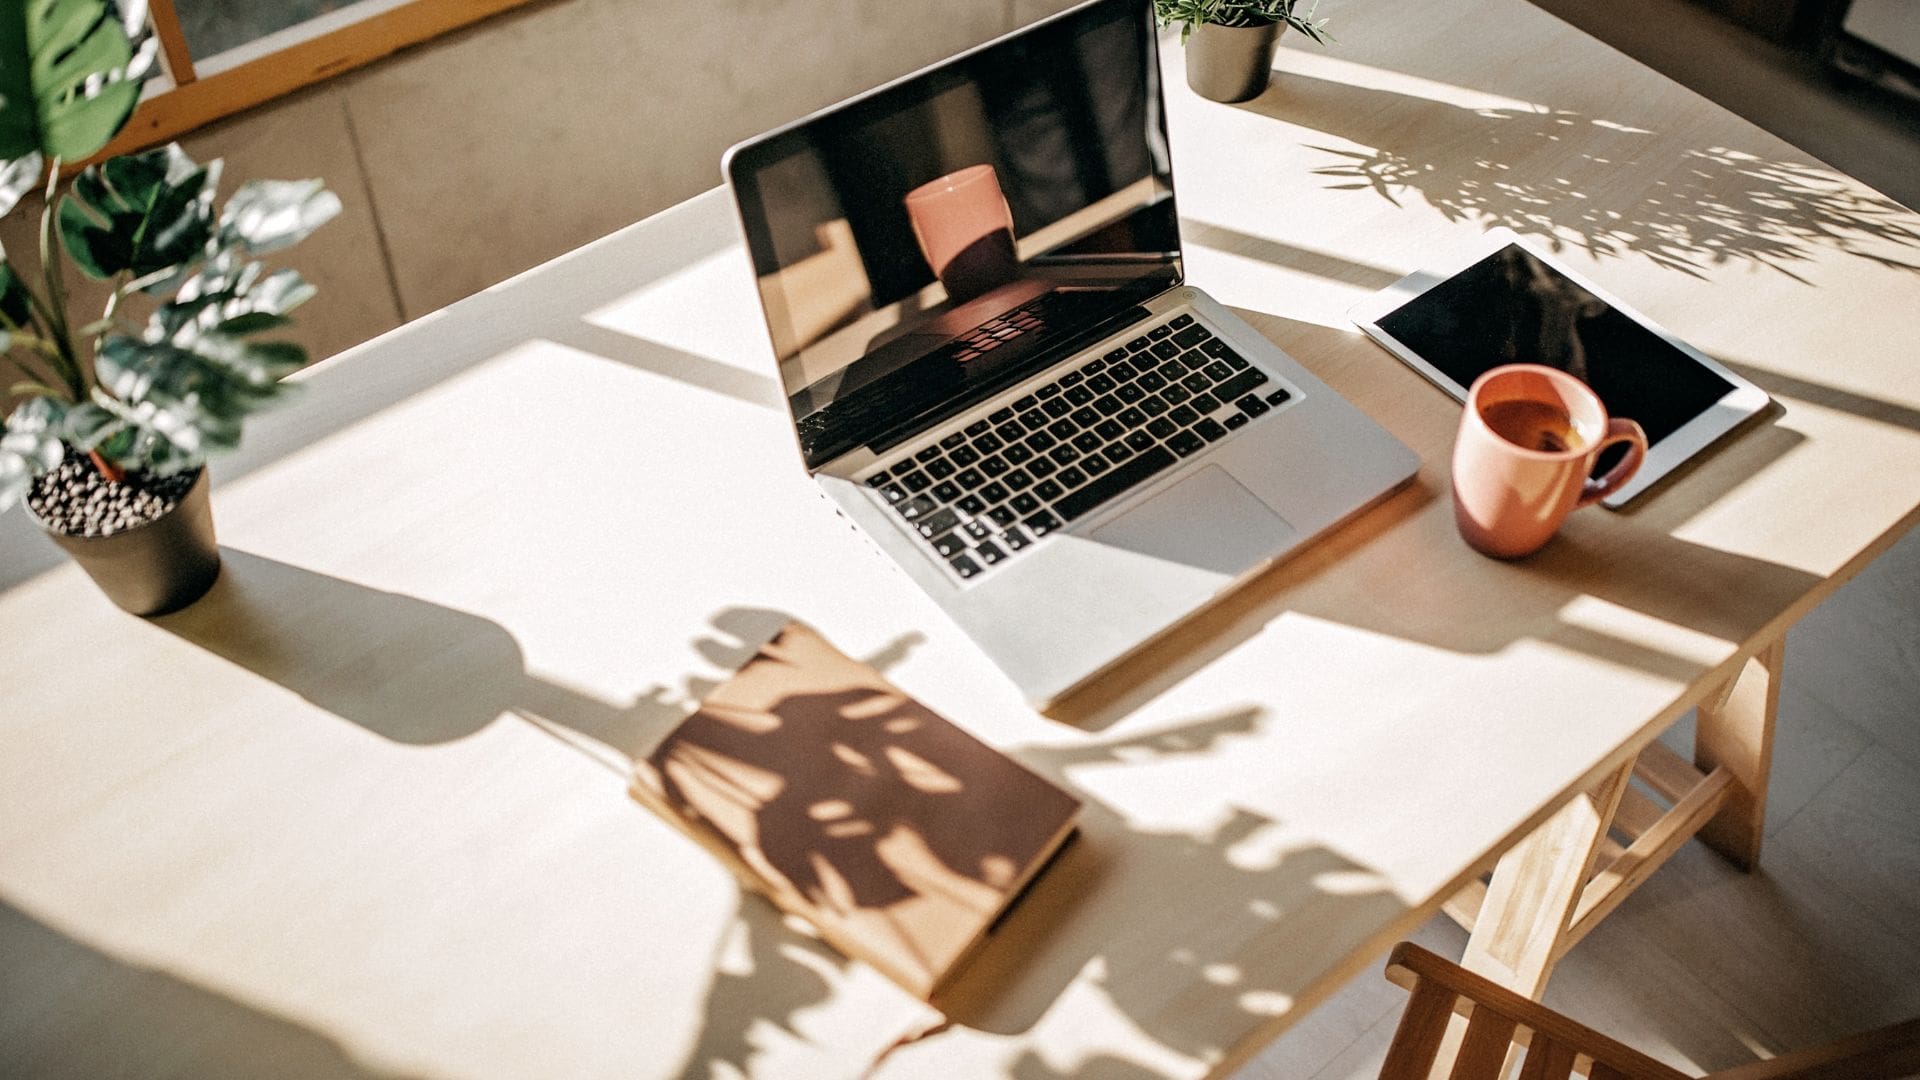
x=996 y=368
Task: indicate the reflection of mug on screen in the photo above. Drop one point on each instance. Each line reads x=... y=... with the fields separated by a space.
x=965 y=230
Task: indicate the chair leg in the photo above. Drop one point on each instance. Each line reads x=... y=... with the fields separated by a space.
x=1735 y=732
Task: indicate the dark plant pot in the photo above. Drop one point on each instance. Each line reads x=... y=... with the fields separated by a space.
x=158 y=567
x=1231 y=63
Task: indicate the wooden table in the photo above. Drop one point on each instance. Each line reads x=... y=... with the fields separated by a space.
x=363 y=809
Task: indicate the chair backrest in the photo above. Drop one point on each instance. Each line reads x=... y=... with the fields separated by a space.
x=1558 y=1048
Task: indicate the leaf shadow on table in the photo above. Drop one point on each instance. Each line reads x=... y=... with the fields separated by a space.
x=1687 y=209
x=93 y=1014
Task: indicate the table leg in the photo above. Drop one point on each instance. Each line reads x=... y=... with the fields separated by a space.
x=1735 y=733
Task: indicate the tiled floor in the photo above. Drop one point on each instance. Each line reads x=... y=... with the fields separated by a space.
x=473 y=158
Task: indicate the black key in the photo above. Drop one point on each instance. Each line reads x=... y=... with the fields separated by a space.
x=1049 y=490
x=1024 y=503
x=1102 y=384
x=1219 y=370
x=1180 y=321
x=1234 y=360
x=1064 y=454
x=1063 y=429
x=1001 y=516
x=970 y=479
x=1204 y=404
x=979 y=530
x=1071 y=380
x=1041 y=523
x=1117 y=453
x=1093 y=369
x=1210 y=430
x=1040 y=441
x=1015 y=538
x=1017 y=454
x=1025 y=403
x=1162 y=428
x=917 y=507
x=1175 y=394
x=1080 y=395
x=965 y=456
x=964 y=565
x=1171 y=370
x=927 y=455
x=1154 y=406
x=1115 y=482
x=1110 y=429
x=987 y=444
x=977 y=427
x=1057 y=407
x=1239 y=384
x=893 y=493
x=1197 y=382
x=1000 y=416
x=1123 y=373
x=1216 y=347
x=940 y=469
x=1165 y=350
x=994 y=492
x=1011 y=431
x=1191 y=336
x=949 y=544
x=1033 y=419
x=936 y=523
x=1018 y=480
x=878 y=478
x=1159 y=332
x=1183 y=415
x=946 y=492
x=1117 y=354
x=916 y=481
x=1085 y=416
x=1278 y=397
x=1186 y=444
x=994 y=465
x=1131 y=393
x=1108 y=405
x=1094 y=465
x=1253 y=406
x=1132 y=417
x=990 y=552
x=1048 y=391
x=1138 y=343
x=1072 y=478
x=1194 y=359
x=971 y=504
x=1140 y=440
x=1087 y=442
x=953 y=440
x=1237 y=420
x=1042 y=467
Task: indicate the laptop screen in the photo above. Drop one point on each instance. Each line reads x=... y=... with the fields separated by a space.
x=923 y=247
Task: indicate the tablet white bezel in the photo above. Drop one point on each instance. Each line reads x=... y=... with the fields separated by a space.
x=1736 y=406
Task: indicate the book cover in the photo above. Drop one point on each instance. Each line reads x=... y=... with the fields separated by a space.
x=899 y=836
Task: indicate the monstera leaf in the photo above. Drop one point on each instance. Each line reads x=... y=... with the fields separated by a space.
x=143 y=213
x=29 y=445
x=70 y=76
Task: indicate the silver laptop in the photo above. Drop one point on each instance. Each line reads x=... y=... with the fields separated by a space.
x=972 y=279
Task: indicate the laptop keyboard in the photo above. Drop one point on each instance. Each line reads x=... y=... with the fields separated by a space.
x=982 y=494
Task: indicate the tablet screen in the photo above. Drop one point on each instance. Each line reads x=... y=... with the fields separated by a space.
x=1511 y=307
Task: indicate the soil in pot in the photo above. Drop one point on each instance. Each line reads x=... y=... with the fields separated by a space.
x=147 y=542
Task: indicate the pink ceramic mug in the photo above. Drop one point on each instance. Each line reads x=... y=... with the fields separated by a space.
x=965 y=230
x=1527 y=443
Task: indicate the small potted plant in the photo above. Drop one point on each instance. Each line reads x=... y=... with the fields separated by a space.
x=114 y=416
x=1230 y=43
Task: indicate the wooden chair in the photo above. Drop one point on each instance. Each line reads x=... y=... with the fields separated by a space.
x=1557 y=1048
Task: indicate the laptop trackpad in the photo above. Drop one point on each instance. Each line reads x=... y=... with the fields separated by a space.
x=1207 y=520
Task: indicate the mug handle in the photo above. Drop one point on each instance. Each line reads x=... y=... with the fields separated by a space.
x=1618 y=430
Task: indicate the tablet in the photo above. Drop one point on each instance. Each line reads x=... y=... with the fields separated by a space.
x=1514 y=305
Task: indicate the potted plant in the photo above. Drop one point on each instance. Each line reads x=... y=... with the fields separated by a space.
x=115 y=415
x=1230 y=43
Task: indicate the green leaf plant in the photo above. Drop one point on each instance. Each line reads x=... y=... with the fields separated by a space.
x=157 y=395
x=1187 y=14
